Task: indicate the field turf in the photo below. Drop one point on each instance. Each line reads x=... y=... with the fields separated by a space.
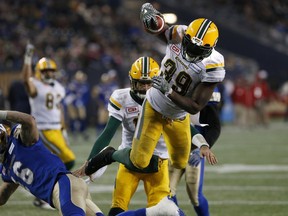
x=251 y=178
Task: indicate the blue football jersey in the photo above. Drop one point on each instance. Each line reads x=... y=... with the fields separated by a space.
x=33 y=167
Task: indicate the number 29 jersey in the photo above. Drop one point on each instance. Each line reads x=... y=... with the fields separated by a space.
x=183 y=76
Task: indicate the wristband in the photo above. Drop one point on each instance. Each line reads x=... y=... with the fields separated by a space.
x=3 y=115
x=168 y=92
x=198 y=140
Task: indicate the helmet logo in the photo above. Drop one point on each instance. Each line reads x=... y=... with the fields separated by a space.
x=197 y=41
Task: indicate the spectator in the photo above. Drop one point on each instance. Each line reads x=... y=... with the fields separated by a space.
x=77 y=99
x=18 y=98
x=261 y=94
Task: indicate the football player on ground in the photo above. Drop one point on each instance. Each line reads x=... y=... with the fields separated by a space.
x=185 y=86
x=45 y=96
x=208 y=123
x=26 y=162
x=124 y=107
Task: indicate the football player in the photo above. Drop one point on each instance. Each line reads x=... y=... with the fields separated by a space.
x=185 y=86
x=45 y=96
x=124 y=107
x=26 y=162
x=208 y=123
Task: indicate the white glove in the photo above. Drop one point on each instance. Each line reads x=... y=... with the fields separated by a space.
x=148 y=16
x=28 y=54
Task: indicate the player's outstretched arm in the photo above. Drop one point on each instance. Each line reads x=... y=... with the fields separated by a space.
x=101 y=142
x=29 y=133
x=27 y=71
x=6 y=190
x=153 y=21
x=202 y=150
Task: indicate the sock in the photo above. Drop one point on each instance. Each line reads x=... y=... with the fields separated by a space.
x=123 y=156
x=203 y=208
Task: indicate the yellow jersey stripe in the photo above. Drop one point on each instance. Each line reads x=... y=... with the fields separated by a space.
x=209 y=66
x=115 y=103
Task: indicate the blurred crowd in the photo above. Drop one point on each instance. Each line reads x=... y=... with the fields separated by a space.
x=93 y=36
x=266 y=20
x=95 y=42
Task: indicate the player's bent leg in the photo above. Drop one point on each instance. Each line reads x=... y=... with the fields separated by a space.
x=177 y=136
x=91 y=208
x=73 y=191
x=56 y=143
x=123 y=192
x=194 y=186
x=174 y=178
x=147 y=133
x=157 y=184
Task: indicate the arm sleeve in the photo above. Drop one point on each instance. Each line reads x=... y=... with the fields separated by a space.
x=194 y=130
x=105 y=137
x=210 y=116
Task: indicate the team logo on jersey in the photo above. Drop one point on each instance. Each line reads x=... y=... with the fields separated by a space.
x=175 y=49
x=196 y=67
x=132 y=109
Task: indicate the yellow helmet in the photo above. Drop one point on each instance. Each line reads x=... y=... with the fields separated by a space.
x=142 y=71
x=199 y=40
x=44 y=65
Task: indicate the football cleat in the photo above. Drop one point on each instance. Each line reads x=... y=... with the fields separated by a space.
x=103 y=158
x=166 y=207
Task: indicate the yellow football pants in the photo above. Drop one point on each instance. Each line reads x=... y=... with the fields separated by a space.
x=56 y=143
x=150 y=126
x=156 y=185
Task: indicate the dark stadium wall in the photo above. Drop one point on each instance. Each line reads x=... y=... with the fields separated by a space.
x=268 y=58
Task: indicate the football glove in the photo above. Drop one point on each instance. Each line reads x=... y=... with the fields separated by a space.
x=194 y=158
x=28 y=54
x=161 y=84
x=148 y=15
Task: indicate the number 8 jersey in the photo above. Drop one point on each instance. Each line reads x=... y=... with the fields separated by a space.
x=183 y=76
x=45 y=106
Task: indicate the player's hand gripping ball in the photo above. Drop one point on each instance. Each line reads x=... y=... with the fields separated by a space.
x=152 y=19
x=156 y=27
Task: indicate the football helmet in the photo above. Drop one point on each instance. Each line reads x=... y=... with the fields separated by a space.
x=42 y=69
x=3 y=142
x=199 y=40
x=142 y=71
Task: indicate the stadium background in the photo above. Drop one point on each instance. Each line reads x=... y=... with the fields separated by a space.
x=97 y=36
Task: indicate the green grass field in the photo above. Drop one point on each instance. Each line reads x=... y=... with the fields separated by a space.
x=251 y=178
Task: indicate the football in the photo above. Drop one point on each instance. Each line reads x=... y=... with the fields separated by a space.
x=157 y=28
